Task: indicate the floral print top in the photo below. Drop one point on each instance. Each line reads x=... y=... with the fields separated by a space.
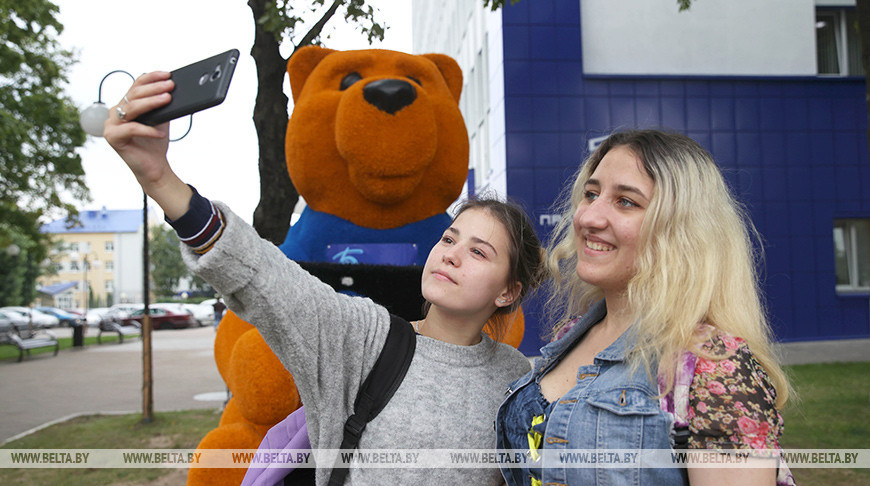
x=731 y=403
x=731 y=399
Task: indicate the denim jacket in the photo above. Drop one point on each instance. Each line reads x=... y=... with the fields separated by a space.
x=609 y=408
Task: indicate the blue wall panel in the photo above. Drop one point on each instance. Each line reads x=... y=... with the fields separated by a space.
x=547 y=153
x=793 y=149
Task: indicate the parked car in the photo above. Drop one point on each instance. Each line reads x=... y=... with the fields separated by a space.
x=209 y=303
x=97 y=315
x=39 y=319
x=170 y=306
x=124 y=310
x=15 y=320
x=162 y=318
x=6 y=328
x=204 y=315
x=66 y=318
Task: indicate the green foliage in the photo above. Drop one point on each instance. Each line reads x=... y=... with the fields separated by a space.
x=167 y=267
x=39 y=133
x=284 y=17
x=497 y=4
x=684 y=4
x=18 y=273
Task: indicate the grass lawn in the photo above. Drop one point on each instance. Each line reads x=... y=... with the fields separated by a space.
x=168 y=430
x=10 y=352
x=832 y=412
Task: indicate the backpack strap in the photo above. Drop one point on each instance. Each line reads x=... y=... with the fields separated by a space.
x=379 y=386
x=676 y=402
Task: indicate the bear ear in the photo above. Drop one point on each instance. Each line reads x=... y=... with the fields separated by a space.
x=450 y=70
x=302 y=63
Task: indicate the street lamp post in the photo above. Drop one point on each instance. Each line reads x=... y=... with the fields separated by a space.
x=147 y=378
x=92 y=119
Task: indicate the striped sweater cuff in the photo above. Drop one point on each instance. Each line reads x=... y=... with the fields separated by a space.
x=201 y=226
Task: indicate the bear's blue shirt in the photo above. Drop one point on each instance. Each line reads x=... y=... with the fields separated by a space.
x=307 y=239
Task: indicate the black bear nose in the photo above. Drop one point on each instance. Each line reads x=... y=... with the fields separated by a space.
x=390 y=95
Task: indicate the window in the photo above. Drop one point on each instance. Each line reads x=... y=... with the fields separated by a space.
x=110 y=246
x=73 y=247
x=73 y=266
x=110 y=285
x=110 y=265
x=64 y=301
x=852 y=255
x=838 y=46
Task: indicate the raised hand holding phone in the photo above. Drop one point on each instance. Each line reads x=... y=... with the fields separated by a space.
x=142 y=147
x=137 y=127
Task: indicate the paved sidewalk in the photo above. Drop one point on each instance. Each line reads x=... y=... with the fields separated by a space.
x=108 y=378
x=846 y=350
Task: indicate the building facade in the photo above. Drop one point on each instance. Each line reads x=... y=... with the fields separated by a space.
x=774 y=90
x=102 y=256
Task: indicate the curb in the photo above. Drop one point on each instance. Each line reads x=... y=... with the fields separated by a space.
x=77 y=415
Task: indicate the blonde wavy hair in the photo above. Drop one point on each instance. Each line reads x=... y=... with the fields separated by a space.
x=696 y=261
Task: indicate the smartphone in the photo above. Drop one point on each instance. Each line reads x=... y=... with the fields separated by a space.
x=198 y=86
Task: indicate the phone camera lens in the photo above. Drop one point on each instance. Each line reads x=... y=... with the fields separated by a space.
x=216 y=74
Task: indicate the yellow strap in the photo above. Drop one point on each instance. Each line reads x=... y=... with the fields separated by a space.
x=535 y=439
x=536 y=481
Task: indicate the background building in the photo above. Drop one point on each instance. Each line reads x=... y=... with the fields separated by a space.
x=774 y=90
x=105 y=251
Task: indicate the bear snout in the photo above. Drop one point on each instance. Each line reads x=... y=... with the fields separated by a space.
x=389 y=95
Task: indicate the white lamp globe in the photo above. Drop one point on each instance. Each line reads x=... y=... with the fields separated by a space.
x=93 y=118
x=13 y=250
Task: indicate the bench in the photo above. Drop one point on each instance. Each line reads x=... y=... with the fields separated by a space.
x=43 y=339
x=122 y=331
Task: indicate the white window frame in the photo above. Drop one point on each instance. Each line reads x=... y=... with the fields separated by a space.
x=846 y=231
x=841 y=39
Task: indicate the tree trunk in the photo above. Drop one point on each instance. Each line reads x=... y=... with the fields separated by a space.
x=278 y=196
x=863 y=9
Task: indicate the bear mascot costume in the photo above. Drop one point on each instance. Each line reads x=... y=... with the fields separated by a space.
x=378 y=149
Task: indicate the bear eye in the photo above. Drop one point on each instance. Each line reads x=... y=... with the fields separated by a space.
x=349 y=80
x=412 y=78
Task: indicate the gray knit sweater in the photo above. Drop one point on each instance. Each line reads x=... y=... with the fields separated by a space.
x=329 y=342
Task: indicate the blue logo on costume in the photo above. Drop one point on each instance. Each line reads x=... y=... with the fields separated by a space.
x=346 y=255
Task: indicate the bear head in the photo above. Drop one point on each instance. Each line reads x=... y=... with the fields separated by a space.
x=376 y=136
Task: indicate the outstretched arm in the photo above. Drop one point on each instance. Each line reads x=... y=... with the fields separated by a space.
x=329 y=340
x=143 y=148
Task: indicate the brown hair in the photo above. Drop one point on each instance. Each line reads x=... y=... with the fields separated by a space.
x=526 y=258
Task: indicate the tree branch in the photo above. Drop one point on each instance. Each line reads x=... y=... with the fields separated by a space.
x=318 y=27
